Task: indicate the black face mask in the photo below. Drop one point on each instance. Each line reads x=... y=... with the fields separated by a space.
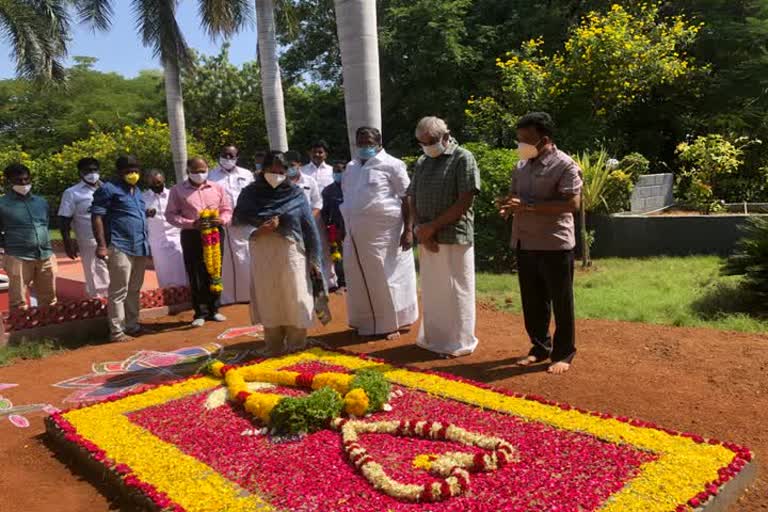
x=157 y=190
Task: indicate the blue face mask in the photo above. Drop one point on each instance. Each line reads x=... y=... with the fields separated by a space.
x=257 y=167
x=367 y=152
x=337 y=177
x=292 y=172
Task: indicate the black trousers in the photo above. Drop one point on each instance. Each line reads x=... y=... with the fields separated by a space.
x=205 y=303
x=546 y=285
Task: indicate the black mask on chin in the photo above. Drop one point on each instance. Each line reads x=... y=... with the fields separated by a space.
x=157 y=190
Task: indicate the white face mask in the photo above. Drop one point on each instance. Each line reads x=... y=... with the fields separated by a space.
x=227 y=164
x=274 y=179
x=434 y=151
x=527 y=151
x=22 y=189
x=91 y=178
x=198 y=178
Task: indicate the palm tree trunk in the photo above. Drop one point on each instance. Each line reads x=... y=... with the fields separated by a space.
x=271 y=81
x=586 y=258
x=359 y=44
x=175 y=105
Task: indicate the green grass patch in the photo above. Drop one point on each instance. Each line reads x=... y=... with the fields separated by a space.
x=687 y=292
x=32 y=349
x=54 y=234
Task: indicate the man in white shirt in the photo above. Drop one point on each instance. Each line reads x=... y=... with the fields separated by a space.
x=236 y=258
x=317 y=169
x=75 y=212
x=164 y=239
x=378 y=258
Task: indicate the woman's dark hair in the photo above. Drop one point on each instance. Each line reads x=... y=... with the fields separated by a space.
x=539 y=121
x=276 y=157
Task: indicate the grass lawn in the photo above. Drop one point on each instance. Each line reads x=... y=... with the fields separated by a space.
x=673 y=291
x=36 y=349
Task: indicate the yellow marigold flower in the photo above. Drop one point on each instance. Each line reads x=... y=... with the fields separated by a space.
x=337 y=381
x=356 y=402
x=423 y=461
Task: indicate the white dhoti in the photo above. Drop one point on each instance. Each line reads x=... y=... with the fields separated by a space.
x=94 y=269
x=380 y=276
x=448 y=298
x=236 y=265
x=281 y=290
x=168 y=261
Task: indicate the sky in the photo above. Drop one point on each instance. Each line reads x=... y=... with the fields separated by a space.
x=120 y=50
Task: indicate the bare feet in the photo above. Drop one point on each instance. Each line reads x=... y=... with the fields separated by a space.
x=393 y=336
x=527 y=361
x=559 y=368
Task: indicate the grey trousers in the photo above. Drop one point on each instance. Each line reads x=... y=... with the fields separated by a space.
x=126 y=277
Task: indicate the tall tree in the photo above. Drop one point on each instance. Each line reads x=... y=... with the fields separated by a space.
x=271 y=78
x=359 y=44
x=37 y=31
x=160 y=30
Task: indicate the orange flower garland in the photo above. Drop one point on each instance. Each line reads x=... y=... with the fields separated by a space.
x=211 y=237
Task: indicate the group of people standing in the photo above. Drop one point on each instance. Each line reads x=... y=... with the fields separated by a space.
x=280 y=225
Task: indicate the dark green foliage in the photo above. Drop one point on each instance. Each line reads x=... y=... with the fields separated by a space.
x=751 y=258
x=306 y=414
x=375 y=385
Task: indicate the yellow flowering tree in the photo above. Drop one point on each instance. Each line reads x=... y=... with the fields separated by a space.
x=609 y=62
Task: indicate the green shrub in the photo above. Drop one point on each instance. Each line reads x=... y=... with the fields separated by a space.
x=635 y=165
x=751 y=258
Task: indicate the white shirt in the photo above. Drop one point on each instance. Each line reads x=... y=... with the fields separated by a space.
x=375 y=188
x=311 y=191
x=76 y=204
x=323 y=174
x=233 y=181
x=160 y=230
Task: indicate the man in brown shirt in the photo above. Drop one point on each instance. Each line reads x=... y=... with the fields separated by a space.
x=544 y=193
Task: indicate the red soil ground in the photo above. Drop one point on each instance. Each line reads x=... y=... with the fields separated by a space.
x=710 y=382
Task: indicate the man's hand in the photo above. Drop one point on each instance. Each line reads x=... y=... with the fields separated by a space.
x=426 y=235
x=508 y=205
x=215 y=222
x=431 y=245
x=101 y=253
x=269 y=227
x=70 y=247
x=406 y=240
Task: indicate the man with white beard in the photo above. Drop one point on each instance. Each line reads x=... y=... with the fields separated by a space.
x=236 y=260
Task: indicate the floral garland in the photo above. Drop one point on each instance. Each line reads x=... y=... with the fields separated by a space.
x=211 y=237
x=453 y=468
x=359 y=394
x=335 y=243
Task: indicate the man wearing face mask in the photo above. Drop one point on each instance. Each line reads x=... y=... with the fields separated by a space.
x=75 y=212
x=445 y=183
x=236 y=252
x=544 y=193
x=378 y=256
x=186 y=202
x=119 y=221
x=306 y=183
x=317 y=169
x=29 y=258
x=333 y=197
x=164 y=239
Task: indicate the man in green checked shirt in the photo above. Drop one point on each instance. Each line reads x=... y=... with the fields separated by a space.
x=441 y=194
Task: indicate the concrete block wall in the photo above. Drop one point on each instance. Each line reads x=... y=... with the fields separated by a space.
x=653 y=192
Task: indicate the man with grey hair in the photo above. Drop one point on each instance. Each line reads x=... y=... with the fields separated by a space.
x=378 y=257
x=441 y=194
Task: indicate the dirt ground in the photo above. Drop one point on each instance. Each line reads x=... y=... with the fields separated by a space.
x=709 y=382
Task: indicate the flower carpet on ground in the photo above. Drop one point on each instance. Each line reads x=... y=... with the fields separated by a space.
x=182 y=450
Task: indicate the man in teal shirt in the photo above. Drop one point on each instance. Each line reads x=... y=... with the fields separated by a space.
x=29 y=258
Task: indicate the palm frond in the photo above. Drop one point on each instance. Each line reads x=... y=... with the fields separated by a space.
x=97 y=13
x=38 y=33
x=225 y=17
x=596 y=177
x=159 y=29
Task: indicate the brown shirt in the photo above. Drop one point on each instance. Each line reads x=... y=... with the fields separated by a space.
x=552 y=176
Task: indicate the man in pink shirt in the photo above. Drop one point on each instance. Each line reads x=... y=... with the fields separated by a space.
x=185 y=203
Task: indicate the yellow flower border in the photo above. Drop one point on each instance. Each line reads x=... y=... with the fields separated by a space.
x=683 y=468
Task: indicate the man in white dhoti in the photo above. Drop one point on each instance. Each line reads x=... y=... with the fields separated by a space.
x=164 y=239
x=75 y=212
x=235 y=259
x=378 y=258
x=444 y=186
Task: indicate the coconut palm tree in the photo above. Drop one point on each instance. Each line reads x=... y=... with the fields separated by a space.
x=159 y=29
x=37 y=32
x=359 y=44
x=271 y=79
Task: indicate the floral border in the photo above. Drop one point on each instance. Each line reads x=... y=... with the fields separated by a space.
x=689 y=471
